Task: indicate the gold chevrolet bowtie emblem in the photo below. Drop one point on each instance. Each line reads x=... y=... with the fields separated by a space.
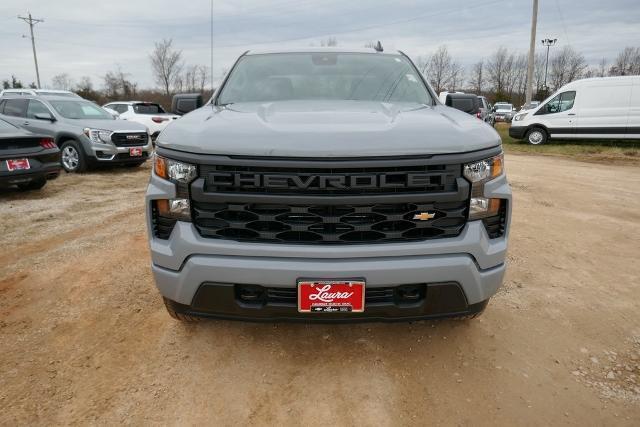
x=424 y=216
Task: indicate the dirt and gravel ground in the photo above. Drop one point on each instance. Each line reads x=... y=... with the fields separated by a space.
x=85 y=338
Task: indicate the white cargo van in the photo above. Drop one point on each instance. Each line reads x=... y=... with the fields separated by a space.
x=598 y=108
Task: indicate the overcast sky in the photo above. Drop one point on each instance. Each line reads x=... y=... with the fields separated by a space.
x=88 y=38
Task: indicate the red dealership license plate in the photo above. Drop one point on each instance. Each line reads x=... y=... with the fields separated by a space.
x=135 y=152
x=330 y=296
x=18 y=164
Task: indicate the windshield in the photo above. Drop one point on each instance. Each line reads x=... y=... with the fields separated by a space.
x=80 y=110
x=324 y=76
x=148 y=109
x=504 y=107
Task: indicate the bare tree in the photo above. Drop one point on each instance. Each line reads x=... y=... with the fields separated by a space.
x=62 y=81
x=202 y=77
x=477 y=77
x=627 y=62
x=166 y=63
x=602 y=68
x=566 y=66
x=329 y=42
x=118 y=86
x=442 y=71
x=499 y=72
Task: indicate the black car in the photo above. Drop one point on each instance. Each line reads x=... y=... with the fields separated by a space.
x=466 y=102
x=27 y=160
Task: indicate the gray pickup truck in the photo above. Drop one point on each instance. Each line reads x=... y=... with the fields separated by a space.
x=327 y=185
x=86 y=134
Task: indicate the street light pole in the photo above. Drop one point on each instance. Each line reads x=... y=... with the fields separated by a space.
x=32 y=21
x=548 y=43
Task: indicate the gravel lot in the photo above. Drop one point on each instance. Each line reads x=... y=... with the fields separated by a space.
x=85 y=337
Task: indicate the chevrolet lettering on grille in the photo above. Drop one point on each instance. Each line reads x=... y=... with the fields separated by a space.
x=315 y=182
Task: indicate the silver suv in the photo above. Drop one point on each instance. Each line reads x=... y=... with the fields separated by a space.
x=86 y=134
x=327 y=185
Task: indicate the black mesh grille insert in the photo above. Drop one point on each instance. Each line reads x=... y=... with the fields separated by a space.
x=328 y=223
x=162 y=225
x=495 y=225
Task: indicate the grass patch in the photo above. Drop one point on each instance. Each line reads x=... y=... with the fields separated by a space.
x=617 y=151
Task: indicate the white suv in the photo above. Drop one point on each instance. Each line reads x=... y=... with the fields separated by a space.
x=150 y=114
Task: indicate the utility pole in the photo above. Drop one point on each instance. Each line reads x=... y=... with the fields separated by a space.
x=211 y=58
x=532 y=48
x=548 y=43
x=32 y=21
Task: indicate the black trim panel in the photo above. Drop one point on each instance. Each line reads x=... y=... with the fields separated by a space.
x=349 y=162
x=220 y=300
x=594 y=130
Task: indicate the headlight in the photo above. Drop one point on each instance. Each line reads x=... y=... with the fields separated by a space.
x=519 y=117
x=98 y=136
x=174 y=170
x=479 y=173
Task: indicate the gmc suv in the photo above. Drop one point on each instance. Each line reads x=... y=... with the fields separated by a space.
x=86 y=134
x=327 y=185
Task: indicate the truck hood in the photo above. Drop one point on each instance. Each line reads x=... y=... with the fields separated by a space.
x=327 y=129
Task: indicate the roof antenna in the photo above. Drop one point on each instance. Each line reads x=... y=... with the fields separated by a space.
x=378 y=47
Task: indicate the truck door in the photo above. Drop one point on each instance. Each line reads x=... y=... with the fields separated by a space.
x=559 y=115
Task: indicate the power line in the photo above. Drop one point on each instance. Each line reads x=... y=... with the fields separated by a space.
x=370 y=27
x=33 y=21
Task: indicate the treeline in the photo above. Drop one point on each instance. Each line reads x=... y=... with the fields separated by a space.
x=501 y=76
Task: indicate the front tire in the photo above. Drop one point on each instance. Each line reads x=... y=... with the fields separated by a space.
x=73 y=159
x=171 y=309
x=35 y=184
x=536 y=136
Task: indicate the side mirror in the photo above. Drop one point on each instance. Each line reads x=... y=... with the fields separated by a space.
x=493 y=109
x=45 y=116
x=185 y=102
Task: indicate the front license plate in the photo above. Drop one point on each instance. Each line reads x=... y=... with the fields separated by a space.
x=135 y=152
x=18 y=164
x=330 y=296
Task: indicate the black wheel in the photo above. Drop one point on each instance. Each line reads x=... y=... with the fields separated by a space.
x=35 y=184
x=476 y=311
x=73 y=158
x=171 y=309
x=536 y=136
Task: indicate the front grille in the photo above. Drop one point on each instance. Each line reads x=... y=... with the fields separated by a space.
x=323 y=201
x=129 y=139
x=345 y=223
x=338 y=181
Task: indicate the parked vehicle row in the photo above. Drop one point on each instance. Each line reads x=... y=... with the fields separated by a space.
x=86 y=134
x=149 y=114
x=469 y=103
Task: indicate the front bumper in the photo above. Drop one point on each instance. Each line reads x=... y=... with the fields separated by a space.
x=43 y=165
x=114 y=154
x=517 y=132
x=186 y=262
